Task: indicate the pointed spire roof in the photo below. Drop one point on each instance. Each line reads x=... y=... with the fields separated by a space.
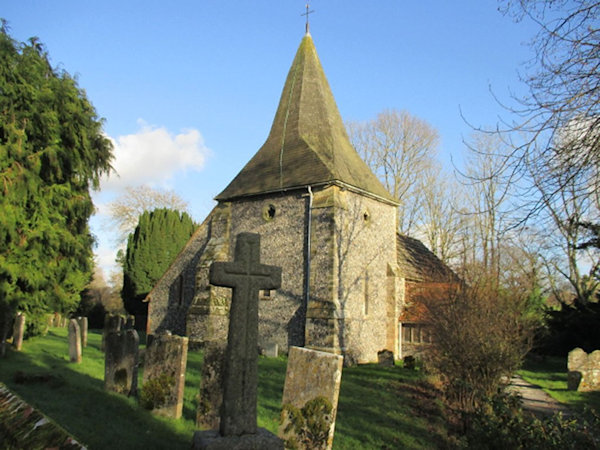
x=308 y=144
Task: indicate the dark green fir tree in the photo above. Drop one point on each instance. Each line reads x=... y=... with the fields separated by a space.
x=157 y=240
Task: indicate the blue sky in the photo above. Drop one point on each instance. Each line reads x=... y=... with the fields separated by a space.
x=188 y=89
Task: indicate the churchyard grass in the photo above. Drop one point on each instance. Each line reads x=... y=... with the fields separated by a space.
x=378 y=407
x=550 y=373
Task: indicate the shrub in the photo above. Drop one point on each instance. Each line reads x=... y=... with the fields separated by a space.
x=310 y=424
x=155 y=391
x=500 y=423
x=480 y=336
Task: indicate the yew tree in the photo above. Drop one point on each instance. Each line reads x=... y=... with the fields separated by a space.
x=151 y=248
x=52 y=152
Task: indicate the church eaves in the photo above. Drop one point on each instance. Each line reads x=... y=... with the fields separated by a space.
x=308 y=144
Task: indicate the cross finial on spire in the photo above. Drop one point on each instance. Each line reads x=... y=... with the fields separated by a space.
x=306 y=14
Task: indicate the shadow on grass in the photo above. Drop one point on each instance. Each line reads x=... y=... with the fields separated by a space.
x=78 y=402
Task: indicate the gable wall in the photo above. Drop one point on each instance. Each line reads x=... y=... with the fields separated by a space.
x=283 y=244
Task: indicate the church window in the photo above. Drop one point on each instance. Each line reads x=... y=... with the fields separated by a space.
x=366 y=216
x=180 y=291
x=269 y=212
x=366 y=303
x=265 y=294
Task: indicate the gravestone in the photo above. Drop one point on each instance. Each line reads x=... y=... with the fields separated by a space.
x=18 y=331
x=130 y=322
x=246 y=275
x=165 y=361
x=211 y=391
x=584 y=371
x=385 y=358
x=24 y=427
x=74 y=341
x=112 y=324
x=121 y=362
x=271 y=350
x=83 y=329
x=312 y=378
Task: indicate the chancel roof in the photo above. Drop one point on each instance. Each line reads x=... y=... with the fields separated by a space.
x=418 y=263
x=308 y=144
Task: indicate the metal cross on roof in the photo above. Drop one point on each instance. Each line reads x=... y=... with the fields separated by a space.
x=306 y=14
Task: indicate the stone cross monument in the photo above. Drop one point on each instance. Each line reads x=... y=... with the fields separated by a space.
x=246 y=275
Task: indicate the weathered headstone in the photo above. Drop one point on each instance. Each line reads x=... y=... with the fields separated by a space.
x=83 y=329
x=19 y=331
x=23 y=427
x=112 y=323
x=211 y=390
x=121 y=362
x=310 y=397
x=271 y=350
x=385 y=358
x=74 y=341
x=584 y=370
x=246 y=275
x=165 y=361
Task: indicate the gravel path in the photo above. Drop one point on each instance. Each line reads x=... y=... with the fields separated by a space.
x=535 y=399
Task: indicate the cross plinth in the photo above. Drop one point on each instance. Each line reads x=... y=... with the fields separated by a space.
x=246 y=275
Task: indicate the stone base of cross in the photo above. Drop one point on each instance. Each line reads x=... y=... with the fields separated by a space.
x=246 y=276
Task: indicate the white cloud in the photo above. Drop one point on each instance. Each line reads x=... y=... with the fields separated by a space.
x=153 y=156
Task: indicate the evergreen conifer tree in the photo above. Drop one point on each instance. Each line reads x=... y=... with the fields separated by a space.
x=52 y=151
x=151 y=248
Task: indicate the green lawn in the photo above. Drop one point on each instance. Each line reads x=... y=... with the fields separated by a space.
x=550 y=374
x=379 y=408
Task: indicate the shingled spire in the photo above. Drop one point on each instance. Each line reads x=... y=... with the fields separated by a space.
x=308 y=144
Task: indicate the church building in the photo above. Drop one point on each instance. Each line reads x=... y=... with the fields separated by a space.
x=323 y=217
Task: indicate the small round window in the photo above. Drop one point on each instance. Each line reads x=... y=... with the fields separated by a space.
x=269 y=212
x=366 y=216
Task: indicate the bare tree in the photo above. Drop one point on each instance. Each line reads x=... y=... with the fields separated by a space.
x=486 y=210
x=440 y=215
x=559 y=120
x=127 y=208
x=567 y=206
x=399 y=148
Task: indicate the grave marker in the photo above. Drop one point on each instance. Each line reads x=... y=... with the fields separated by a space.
x=19 y=331
x=83 y=328
x=246 y=275
x=112 y=323
x=165 y=361
x=121 y=362
x=74 y=341
x=584 y=370
x=314 y=378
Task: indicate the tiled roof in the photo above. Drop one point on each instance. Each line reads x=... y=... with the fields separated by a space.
x=308 y=144
x=418 y=263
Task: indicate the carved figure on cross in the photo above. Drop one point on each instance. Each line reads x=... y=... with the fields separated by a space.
x=246 y=275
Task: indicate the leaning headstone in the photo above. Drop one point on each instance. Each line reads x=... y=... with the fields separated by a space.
x=74 y=341
x=83 y=328
x=310 y=398
x=19 y=331
x=23 y=427
x=271 y=350
x=385 y=358
x=121 y=362
x=584 y=371
x=112 y=324
x=211 y=391
x=57 y=319
x=165 y=361
x=246 y=275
